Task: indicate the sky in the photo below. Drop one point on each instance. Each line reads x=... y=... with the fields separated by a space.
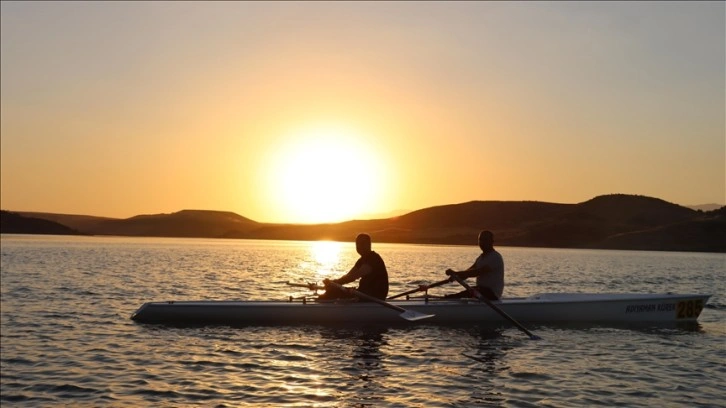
x=307 y=112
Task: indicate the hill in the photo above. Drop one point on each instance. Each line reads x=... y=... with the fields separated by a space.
x=705 y=207
x=704 y=233
x=185 y=223
x=615 y=221
x=77 y=222
x=14 y=223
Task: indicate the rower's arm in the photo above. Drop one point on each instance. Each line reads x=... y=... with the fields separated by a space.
x=472 y=272
x=354 y=274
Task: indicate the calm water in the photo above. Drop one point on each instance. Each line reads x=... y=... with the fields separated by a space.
x=67 y=339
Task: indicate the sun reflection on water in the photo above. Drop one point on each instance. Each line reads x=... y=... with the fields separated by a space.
x=326 y=255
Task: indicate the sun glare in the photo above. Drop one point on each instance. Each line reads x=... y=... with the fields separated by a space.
x=326 y=253
x=325 y=175
x=327 y=256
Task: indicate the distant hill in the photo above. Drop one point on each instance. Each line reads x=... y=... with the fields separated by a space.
x=615 y=221
x=705 y=207
x=14 y=223
x=77 y=222
x=702 y=234
x=185 y=223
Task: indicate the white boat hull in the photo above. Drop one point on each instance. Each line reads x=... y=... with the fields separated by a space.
x=542 y=308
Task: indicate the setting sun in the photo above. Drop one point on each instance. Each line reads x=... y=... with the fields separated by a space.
x=325 y=174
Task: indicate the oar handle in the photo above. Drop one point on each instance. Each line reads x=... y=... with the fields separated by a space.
x=420 y=288
x=366 y=296
x=410 y=315
x=493 y=306
x=311 y=286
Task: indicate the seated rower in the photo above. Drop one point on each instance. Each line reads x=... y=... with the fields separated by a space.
x=488 y=270
x=370 y=269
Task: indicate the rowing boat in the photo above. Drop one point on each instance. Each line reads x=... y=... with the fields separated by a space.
x=541 y=308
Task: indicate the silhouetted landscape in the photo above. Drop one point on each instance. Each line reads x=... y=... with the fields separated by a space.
x=14 y=223
x=616 y=221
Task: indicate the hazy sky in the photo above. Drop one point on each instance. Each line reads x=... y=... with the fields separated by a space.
x=324 y=111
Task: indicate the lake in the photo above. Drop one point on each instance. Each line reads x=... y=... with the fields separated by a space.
x=67 y=339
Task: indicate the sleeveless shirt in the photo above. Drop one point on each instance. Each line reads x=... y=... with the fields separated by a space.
x=376 y=282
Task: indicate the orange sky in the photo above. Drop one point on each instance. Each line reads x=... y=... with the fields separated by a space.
x=327 y=111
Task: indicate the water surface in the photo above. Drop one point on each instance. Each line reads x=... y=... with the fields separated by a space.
x=66 y=337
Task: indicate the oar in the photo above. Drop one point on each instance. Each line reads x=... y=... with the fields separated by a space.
x=420 y=288
x=311 y=286
x=410 y=315
x=493 y=306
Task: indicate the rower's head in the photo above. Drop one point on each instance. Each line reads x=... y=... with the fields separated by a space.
x=486 y=240
x=363 y=244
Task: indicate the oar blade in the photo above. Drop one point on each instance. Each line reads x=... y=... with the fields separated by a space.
x=412 y=315
x=479 y=296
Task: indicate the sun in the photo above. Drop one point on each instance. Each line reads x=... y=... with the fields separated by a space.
x=324 y=175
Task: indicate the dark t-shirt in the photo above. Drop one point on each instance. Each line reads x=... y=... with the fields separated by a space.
x=376 y=282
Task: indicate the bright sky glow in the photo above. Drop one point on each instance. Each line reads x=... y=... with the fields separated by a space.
x=323 y=111
x=324 y=174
